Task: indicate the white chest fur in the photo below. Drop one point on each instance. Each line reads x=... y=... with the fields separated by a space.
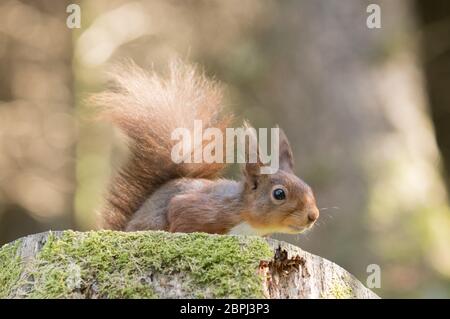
x=247 y=229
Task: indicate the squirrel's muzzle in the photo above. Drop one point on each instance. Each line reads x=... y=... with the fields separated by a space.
x=313 y=214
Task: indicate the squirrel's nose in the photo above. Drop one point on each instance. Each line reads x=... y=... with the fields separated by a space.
x=313 y=214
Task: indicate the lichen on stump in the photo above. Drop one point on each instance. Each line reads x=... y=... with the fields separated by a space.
x=108 y=264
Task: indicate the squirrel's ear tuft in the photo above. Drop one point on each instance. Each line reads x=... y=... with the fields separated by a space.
x=286 y=157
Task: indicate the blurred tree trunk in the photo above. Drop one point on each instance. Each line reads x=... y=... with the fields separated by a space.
x=37 y=132
x=435 y=27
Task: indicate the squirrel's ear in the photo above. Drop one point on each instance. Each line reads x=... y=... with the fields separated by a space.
x=286 y=157
x=252 y=174
x=251 y=168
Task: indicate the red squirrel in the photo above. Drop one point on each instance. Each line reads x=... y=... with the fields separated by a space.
x=151 y=192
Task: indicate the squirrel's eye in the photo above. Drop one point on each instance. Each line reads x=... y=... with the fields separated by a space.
x=279 y=194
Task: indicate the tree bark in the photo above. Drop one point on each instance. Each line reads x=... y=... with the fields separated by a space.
x=44 y=261
x=295 y=273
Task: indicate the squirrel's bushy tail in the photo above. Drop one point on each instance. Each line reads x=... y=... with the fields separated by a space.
x=148 y=108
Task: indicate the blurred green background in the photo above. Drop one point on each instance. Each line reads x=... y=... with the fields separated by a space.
x=367 y=112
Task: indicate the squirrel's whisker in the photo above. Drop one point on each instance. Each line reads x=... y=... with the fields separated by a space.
x=327 y=208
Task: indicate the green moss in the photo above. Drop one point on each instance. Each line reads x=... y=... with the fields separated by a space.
x=108 y=264
x=341 y=290
x=10 y=268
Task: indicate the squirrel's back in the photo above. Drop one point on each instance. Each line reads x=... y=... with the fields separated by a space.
x=148 y=108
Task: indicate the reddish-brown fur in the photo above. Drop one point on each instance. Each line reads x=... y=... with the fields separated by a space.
x=153 y=192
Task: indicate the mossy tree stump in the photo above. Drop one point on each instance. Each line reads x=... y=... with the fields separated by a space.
x=107 y=264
